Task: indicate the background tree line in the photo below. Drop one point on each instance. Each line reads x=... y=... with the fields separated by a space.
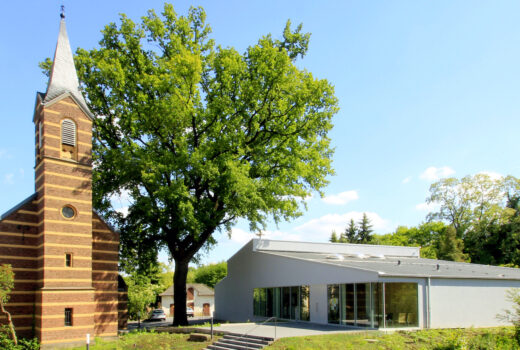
x=476 y=219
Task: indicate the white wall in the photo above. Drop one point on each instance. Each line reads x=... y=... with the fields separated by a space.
x=453 y=302
x=248 y=270
x=199 y=301
x=165 y=304
x=467 y=303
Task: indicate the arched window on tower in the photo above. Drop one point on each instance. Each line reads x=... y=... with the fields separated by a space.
x=68 y=140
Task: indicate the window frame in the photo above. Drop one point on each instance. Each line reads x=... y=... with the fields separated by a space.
x=68 y=317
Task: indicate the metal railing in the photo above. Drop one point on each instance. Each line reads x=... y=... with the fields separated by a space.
x=258 y=325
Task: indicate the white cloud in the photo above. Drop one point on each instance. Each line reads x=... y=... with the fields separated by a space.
x=341 y=198
x=434 y=174
x=240 y=236
x=428 y=207
x=315 y=230
x=406 y=180
x=321 y=228
x=9 y=178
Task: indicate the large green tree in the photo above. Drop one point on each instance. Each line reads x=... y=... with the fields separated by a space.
x=201 y=135
x=485 y=214
x=427 y=236
x=470 y=203
x=6 y=285
x=210 y=274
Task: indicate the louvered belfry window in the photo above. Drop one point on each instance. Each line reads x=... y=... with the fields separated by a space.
x=40 y=134
x=68 y=133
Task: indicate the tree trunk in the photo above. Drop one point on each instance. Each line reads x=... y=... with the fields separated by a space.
x=10 y=322
x=179 y=293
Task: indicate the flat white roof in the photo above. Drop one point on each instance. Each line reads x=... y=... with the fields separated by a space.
x=336 y=248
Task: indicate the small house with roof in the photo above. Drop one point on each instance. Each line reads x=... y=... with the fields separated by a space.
x=199 y=297
x=357 y=285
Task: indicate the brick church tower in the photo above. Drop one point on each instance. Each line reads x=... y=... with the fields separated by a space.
x=65 y=257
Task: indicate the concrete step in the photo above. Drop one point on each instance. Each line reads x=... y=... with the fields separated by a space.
x=235 y=341
x=258 y=337
x=235 y=344
x=246 y=339
x=217 y=347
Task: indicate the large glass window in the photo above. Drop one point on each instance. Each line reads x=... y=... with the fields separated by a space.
x=333 y=301
x=284 y=302
x=347 y=304
x=401 y=305
x=304 y=303
x=259 y=298
x=377 y=305
x=295 y=302
x=269 y=312
x=361 y=304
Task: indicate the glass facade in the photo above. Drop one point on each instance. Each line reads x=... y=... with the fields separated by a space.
x=374 y=305
x=292 y=303
x=371 y=305
x=401 y=305
x=305 y=306
x=333 y=301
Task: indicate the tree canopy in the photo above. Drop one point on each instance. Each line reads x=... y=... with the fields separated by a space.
x=201 y=135
x=6 y=285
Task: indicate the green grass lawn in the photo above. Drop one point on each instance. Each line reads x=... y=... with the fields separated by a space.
x=148 y=340
x=436 y=339
x=491 y=338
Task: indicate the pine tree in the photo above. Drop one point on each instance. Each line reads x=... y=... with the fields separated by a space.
x=365 y=230
x=334 y=237
x=450 y=247
x=351 y=232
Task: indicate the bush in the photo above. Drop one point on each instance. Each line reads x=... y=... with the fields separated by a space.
x=6 y=343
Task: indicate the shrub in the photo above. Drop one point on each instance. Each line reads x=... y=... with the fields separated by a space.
x=6 y=343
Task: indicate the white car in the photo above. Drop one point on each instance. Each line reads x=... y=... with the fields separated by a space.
x=189 y=311
x=158 y=315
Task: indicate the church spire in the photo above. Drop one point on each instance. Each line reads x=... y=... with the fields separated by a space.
x=63 y=77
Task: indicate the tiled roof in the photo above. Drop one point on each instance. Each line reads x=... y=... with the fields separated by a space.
x=18 y=206
x=63 y=78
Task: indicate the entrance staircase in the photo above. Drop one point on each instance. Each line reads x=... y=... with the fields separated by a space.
x=235 y=341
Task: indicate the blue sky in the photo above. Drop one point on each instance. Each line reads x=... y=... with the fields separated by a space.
x=426 y=89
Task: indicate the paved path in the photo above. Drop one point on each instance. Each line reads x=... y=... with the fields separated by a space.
x=169 y=320
x=284 y=329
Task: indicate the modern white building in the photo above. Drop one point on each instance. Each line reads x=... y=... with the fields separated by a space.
x=199 y=297
x=361 y=286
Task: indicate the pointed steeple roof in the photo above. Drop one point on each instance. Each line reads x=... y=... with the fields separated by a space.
x=63 y=77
